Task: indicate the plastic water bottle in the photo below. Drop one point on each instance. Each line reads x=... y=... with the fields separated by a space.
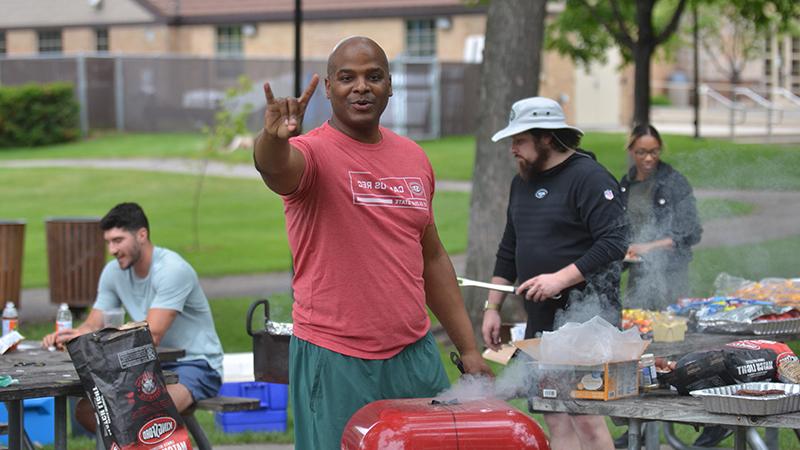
x=10 y=318
x=63 y=318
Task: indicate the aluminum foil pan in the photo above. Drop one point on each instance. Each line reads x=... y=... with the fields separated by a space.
x=742 y=320
x=724 y=399
x=767 y=327
x=279 y=328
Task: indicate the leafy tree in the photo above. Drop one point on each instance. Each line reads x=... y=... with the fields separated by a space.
x=586 y=29
x=510 y=71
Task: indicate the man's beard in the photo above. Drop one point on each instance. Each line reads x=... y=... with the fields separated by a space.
x=134 y=255
x=529 y=169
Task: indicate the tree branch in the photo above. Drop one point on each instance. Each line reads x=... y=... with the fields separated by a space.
x=621 y=36
x=624 y=32
x=673 y=23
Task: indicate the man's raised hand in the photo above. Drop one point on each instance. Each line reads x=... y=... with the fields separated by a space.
x=283 y=117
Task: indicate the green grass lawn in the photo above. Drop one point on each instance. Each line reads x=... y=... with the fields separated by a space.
x=707 y=163
x=241 y=226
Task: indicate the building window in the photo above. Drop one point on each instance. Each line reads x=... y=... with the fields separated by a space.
x=2 y=42
x=101 y=39
x=229 y=41
x=50 y=41
x=421 y=37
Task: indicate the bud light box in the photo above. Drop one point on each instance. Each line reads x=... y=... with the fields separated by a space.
x=38 y=413
x=270 y=417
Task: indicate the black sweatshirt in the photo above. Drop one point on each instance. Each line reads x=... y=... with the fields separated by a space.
x=571 y=213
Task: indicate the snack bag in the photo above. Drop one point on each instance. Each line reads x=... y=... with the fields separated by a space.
x=734 y=363
x=122 y=377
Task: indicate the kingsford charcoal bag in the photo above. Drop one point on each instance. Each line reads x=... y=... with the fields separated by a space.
x=122 y=377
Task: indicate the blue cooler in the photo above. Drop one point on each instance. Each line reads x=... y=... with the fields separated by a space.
x=270 y=417
x=39 y=414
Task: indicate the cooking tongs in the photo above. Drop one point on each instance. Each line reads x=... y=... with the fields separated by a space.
x=481 y=284
x=492 y=286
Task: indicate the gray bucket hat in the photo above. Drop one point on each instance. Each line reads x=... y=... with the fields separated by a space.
x=534 y=113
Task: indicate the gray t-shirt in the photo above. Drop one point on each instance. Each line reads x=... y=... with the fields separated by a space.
x=171 y=283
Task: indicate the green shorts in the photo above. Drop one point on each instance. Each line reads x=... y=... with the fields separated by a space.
x=326 y=387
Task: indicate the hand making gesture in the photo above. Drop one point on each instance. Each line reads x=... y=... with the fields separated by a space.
x=283 y=117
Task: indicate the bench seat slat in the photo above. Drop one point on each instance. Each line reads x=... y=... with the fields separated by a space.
x=229 y=404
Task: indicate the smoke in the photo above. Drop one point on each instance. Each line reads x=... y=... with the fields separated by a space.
x=594 y=300
x=516 y=380
x=661 y=276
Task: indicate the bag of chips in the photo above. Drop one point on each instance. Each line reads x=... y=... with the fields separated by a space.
x=122 y=377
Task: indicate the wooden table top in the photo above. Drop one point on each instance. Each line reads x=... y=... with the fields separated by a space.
x=662 y=405
x=42 y=373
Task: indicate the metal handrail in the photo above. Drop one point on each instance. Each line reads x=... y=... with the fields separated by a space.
x=752 y=95
x=724 y=101
x=787 y=94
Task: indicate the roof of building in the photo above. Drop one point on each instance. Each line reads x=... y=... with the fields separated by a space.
x=39 y=14
x=215 y=11
x=65 y=13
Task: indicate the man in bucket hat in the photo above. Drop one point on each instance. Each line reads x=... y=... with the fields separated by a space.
x=564 y=240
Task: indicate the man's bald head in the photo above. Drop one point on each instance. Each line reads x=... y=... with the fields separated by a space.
x=335 y=58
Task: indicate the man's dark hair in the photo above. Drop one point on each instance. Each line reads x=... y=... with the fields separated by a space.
x=563 y=139
x=128 y=216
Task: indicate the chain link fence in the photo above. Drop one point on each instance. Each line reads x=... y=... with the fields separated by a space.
x=182 y=94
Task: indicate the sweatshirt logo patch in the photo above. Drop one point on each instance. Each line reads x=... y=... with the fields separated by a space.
x=541 y=193
x=608 y=194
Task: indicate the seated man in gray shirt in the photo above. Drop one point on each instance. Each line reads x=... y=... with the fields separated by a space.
x=156 y=285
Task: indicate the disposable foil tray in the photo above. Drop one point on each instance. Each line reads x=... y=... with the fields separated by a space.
x=765 y=327
x=724 y=399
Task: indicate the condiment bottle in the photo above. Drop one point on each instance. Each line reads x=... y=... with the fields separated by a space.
x=10 y=318
x=63 y=318
x=647 y=372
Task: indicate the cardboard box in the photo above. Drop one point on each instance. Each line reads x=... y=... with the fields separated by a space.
x=603 y=381
x=673 y=330
x=606 y=381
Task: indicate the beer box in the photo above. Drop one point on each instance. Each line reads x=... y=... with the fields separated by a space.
x=603 y=381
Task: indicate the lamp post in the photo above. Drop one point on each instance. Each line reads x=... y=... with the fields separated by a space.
x=298 y=59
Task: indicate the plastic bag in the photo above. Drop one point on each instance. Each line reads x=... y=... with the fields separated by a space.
x=122 y=377
x=592 y=342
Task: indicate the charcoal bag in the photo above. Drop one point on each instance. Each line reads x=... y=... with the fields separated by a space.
x=737 y=362
x=122 y=377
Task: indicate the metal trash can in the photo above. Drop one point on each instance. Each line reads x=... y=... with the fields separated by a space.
x=270 y=347
x=76 y=257
x=12 y=242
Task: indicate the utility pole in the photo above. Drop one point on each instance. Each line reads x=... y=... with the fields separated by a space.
x=298 y=57
x=696 y=84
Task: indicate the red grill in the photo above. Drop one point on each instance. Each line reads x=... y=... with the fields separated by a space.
x=420 y=425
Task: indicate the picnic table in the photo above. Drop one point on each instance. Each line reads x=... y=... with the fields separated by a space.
x=43 y=373
x=666 y=406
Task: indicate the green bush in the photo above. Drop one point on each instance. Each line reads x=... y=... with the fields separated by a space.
x=660 y=100
x=38 y=114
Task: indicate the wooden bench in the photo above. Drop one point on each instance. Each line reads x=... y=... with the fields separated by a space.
x=216 y=404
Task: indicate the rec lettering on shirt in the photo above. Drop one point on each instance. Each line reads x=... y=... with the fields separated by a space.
x=395 y=192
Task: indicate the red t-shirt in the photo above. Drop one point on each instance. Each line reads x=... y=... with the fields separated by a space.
x=355 y=227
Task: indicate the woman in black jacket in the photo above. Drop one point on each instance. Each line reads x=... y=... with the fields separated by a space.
x=663 y=224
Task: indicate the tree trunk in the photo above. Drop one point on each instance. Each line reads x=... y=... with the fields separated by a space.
x=642 y=54
x=511 y=66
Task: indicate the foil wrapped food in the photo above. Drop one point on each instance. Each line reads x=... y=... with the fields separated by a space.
x=743 y=320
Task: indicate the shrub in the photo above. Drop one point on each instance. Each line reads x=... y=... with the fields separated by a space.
x=38 y=114
x=660 y=100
